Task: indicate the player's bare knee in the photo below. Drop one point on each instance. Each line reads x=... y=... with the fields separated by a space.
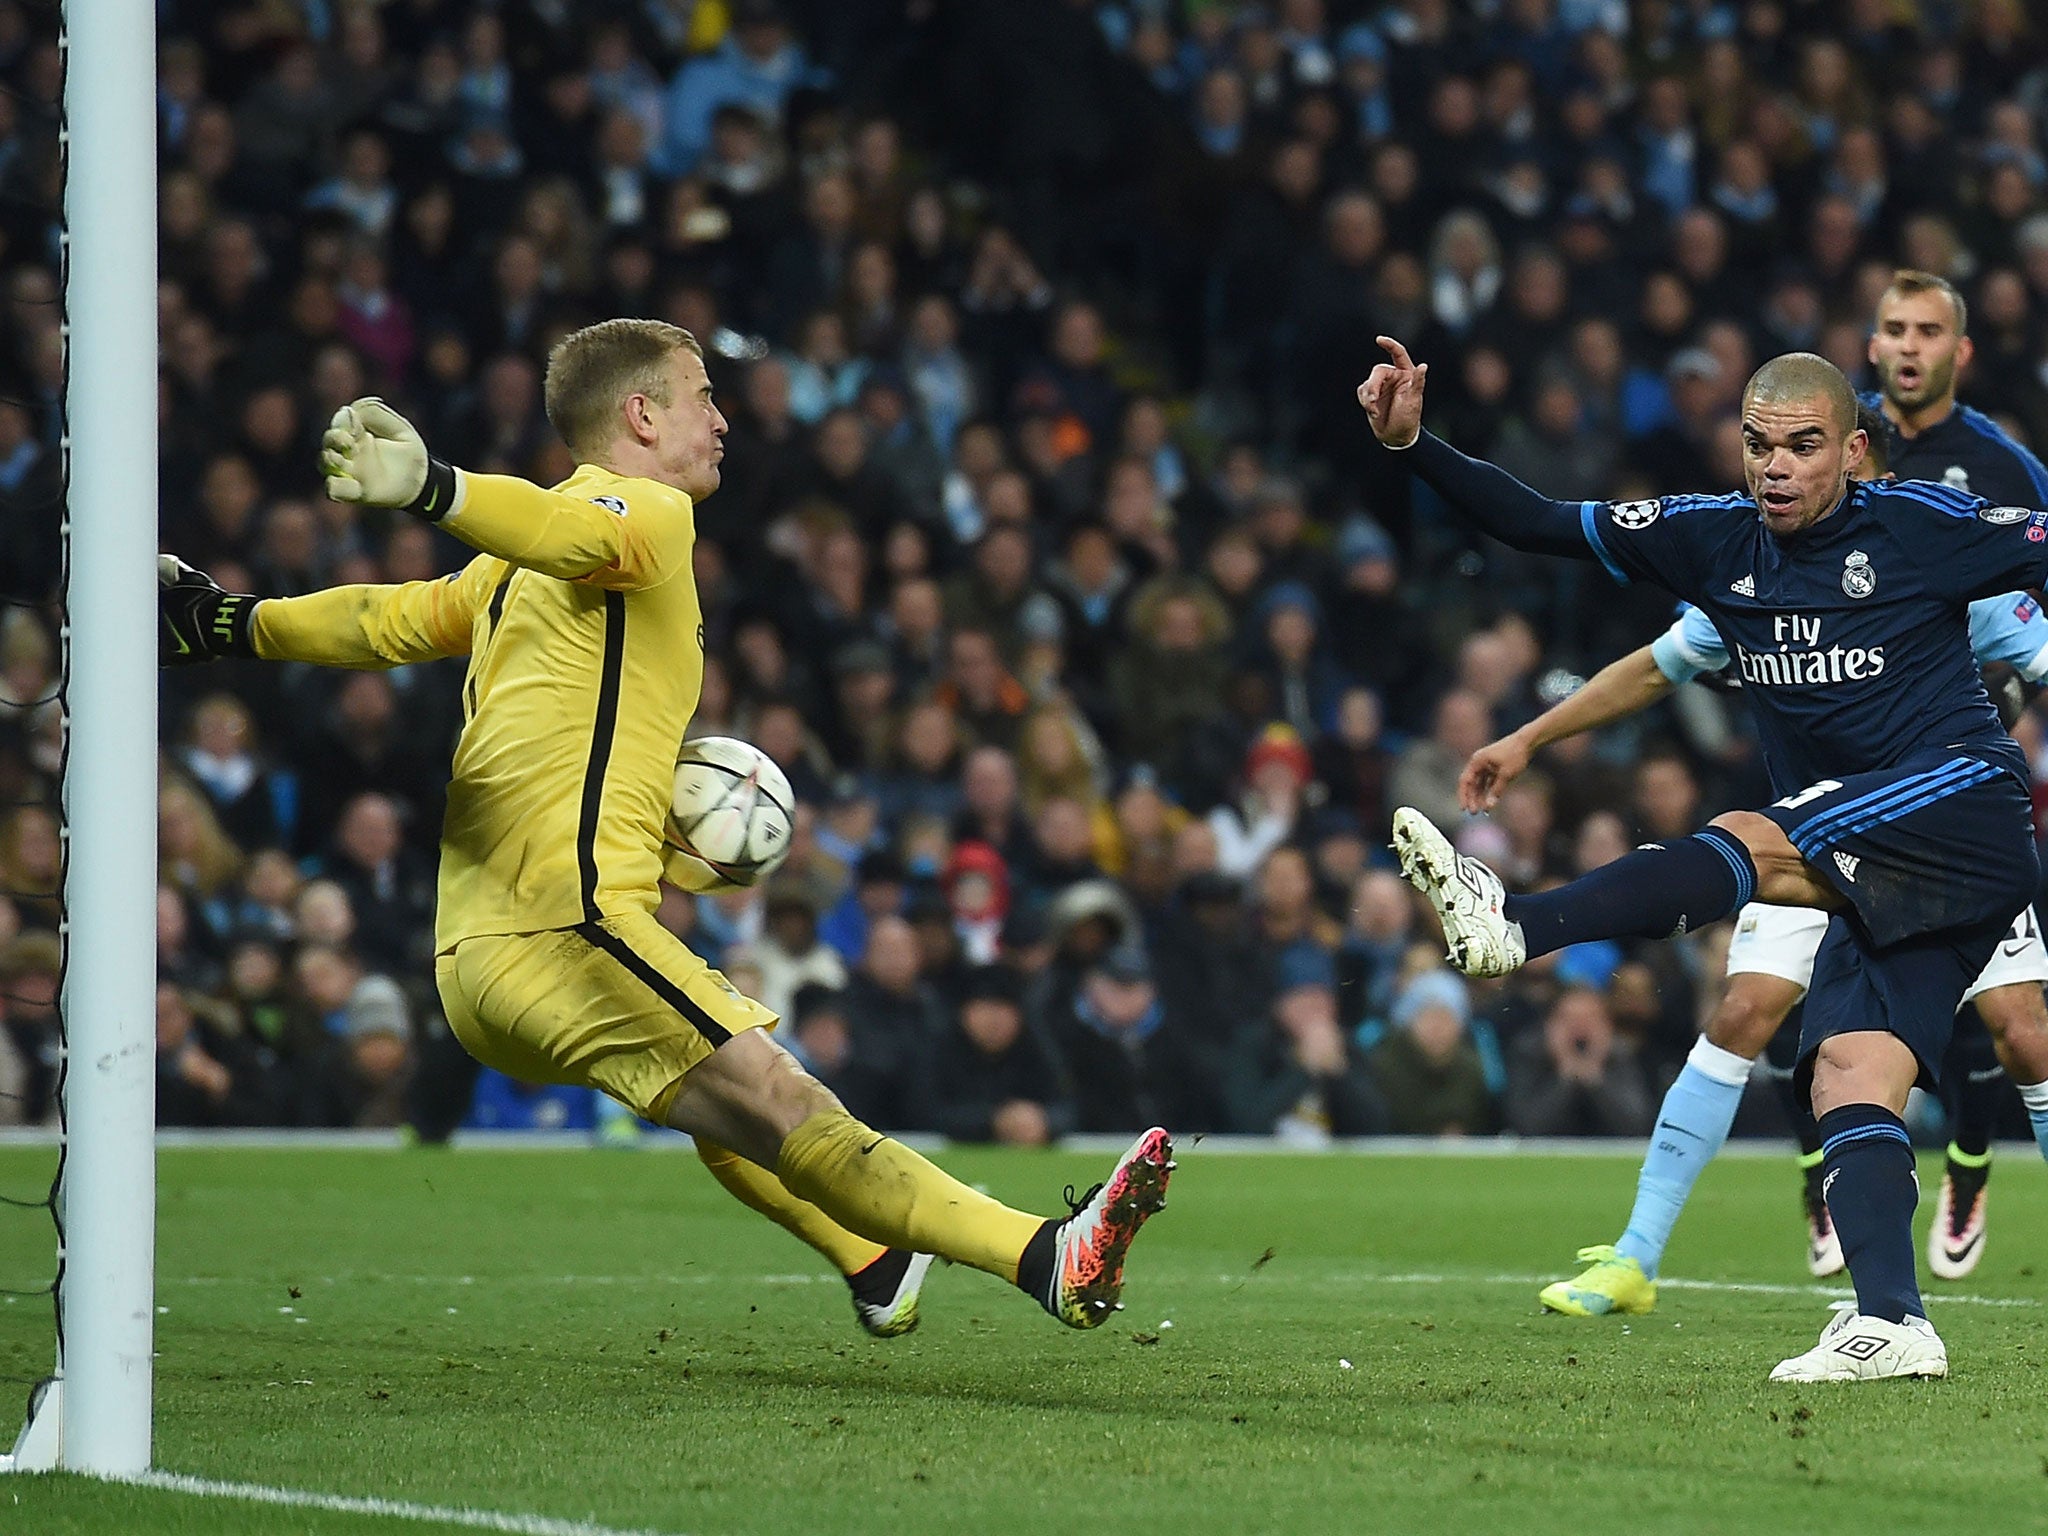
x=1769 y=849
x=1754 y=830
x=1783 y=877
x=2016 y=1011
x=2017 y=1019
x=1743 y=1025
x=792 y=1095
x=1864 y=1067
x=749 y=1094
x=1834 y=1079
x=1750 y=1012
x=768 y=1084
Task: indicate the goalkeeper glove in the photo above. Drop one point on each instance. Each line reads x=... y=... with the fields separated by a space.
x=198 y=620
x=690 y=874
x=372 y=455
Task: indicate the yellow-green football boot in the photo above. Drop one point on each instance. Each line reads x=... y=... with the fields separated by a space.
x=1611 y=1282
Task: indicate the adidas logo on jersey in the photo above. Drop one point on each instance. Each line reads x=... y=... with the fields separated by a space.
x=1745 y=587
x=1846 y=863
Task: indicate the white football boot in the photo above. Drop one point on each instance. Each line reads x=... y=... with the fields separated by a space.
x=1466 y=894
x=891 y=1313
x=1823 y=1242
x=1955 y=1241
x=1857 y=1348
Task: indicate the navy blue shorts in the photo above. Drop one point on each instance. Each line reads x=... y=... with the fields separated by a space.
x=1909 y=989
x=1936 y=858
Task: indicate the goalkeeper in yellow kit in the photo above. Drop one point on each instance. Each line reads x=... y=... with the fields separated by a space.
x=585 y=640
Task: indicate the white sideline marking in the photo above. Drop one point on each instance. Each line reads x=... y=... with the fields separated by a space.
x=395 y=1509
x=1326 y=1277
x=1738 y=1287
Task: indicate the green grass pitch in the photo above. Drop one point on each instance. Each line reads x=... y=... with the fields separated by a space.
x=606 y=1337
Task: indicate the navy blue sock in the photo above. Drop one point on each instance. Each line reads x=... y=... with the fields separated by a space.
x=1871 y=1192
x=1652 y=893
x=1975 y=1084
x=1782 y=1056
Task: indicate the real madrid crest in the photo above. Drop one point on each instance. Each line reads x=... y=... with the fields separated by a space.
x=1858 y=579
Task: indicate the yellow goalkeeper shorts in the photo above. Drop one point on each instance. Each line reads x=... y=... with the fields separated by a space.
x=621 y=1005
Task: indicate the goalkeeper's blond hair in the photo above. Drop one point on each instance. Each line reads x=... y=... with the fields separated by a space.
x=590 y=371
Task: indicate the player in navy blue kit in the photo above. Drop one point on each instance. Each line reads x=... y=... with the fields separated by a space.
x=1919 y=343
x=1907 y=816
x=1770 y=963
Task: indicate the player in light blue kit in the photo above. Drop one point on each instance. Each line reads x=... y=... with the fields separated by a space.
x=1770 y=961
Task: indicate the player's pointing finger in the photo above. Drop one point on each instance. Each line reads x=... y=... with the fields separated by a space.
x=1397 y=352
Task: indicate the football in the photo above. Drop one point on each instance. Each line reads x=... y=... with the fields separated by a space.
x=731 y=809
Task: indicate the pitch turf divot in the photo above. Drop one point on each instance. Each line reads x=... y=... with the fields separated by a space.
x=393 y=1509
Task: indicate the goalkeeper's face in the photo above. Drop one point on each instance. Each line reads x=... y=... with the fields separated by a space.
x=690 y=428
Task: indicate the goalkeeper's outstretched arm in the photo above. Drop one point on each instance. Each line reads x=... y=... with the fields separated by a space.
x=373 y=456
x=362 y=626
x=376 y=627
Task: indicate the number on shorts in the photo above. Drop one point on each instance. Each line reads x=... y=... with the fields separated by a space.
x=1811 y=792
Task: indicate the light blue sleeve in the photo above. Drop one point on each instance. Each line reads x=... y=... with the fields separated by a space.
x=1691 y=646
x=2010 y=629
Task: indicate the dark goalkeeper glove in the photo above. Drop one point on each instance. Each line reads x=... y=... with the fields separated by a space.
x=197 y=620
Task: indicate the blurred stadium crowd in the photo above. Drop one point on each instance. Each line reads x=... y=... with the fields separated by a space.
x=1052 y=560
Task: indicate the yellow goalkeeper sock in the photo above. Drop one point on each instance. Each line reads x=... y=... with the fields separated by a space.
x=759 y=1189
x=884 y=1191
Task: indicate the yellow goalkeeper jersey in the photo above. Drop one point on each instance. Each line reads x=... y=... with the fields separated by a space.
x=586 y=646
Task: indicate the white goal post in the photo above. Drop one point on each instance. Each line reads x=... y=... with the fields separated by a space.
x=96 y=1416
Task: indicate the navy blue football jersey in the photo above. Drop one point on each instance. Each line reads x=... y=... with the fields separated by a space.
x=1967 y=451
x=1852 y=639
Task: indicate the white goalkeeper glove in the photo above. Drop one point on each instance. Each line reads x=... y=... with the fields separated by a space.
x=690 y=874
x=373 y=456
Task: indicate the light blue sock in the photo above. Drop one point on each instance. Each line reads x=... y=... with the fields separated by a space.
x=1692 y=1123
x=2035 y=1097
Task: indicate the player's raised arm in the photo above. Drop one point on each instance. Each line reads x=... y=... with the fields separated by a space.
x=631 y=399
x=1616 y=691
x=1392 y=396
x=1489 y=497
x=373 y=456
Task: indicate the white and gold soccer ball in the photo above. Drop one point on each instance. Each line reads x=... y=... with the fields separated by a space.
x=731 y=816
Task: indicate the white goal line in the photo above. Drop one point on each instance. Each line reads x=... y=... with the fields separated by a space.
x=1726 y=1287
x=393 y=1509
